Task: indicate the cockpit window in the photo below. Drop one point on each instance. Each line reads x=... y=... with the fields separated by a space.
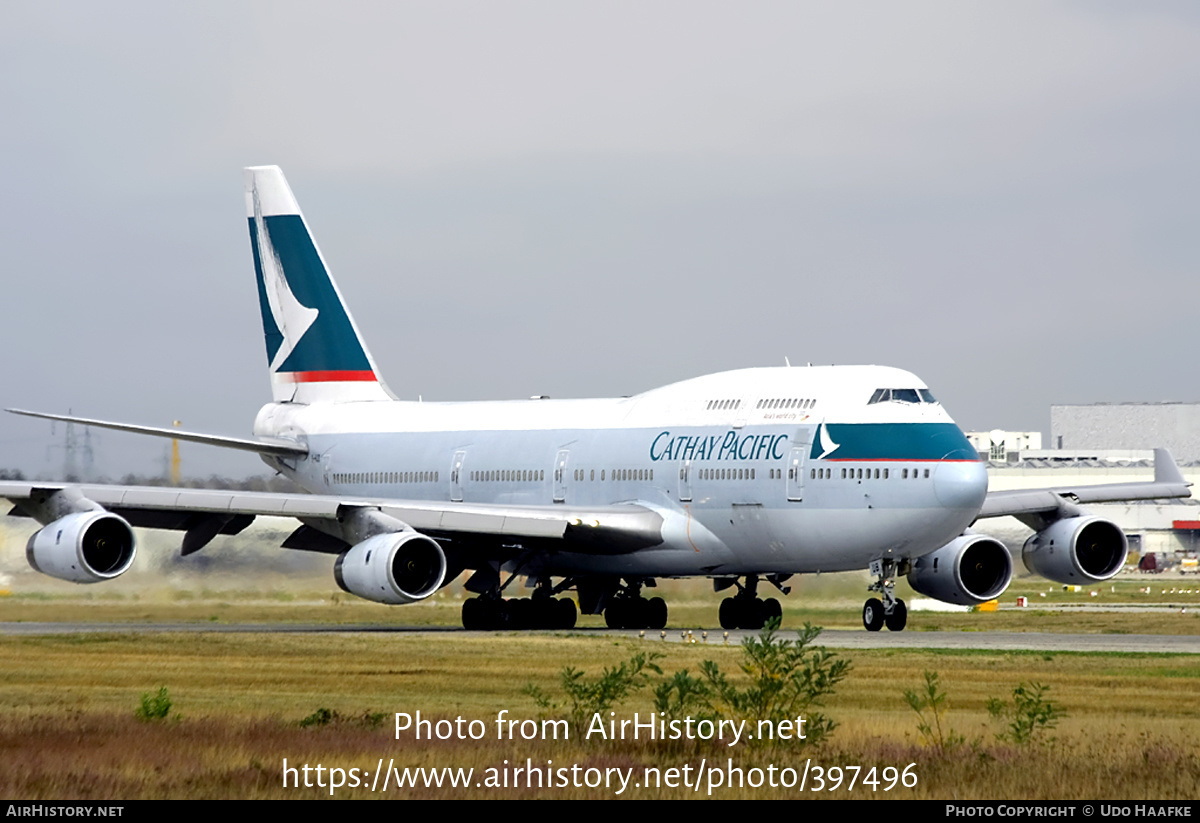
x=902 y=396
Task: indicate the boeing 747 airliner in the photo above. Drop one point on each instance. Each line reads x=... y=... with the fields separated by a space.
x=745 y=477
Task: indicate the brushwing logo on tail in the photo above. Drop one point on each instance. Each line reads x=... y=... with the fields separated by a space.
x=314 y=350
x=292 y=319
x=310 y=337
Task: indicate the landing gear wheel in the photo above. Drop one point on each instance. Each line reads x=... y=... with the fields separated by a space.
x=898 y=618
x=656 y=613
x=636 y=613
x=565 y=613
x=480 y=614
x=487 y=614
x=728 y=614
x=542 y=613
x=473 y=618
x=522 y=613
x=752 y=614
x=887 y=609
x=616 y=614
x=873 y=615
x=746 y=610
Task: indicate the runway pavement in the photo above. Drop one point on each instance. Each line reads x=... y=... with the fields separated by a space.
x=842 y=639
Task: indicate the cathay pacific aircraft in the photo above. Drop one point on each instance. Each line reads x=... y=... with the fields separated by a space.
x=746 y=477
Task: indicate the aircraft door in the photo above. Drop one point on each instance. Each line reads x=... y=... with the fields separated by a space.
x=560 y=476
x=795 y=473
x=456 y=479
x=685 y=481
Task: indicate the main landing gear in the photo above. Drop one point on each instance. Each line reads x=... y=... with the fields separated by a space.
x=890 y=611
x=746 y=610
x=542 y=610
x=627 y=609
x=491 y=613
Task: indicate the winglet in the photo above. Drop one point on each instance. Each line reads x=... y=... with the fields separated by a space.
x=1165 y=468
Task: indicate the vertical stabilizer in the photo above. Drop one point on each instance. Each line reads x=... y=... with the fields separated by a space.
x=314 y=350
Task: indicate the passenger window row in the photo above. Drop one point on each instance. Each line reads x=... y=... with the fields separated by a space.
x=786 y=403
x=617 y=475
x=726 y=474
x=386 y=477
x=508 y=476
x=866 y=474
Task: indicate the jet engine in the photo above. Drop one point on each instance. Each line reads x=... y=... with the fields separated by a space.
x=968 y=570
x=393 y=568
x=84 y=547
x=1076 y=550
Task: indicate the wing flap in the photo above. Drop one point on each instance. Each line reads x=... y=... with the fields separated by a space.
x=591 y=530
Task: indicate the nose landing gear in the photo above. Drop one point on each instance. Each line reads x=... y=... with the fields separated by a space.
x=890 y=611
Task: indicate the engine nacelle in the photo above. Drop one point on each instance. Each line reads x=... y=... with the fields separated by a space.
x=969 y=570
x=1077 y=550
x=393 y=568
x=84 y=547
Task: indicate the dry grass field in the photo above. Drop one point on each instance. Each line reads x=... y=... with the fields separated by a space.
x=68 y=727
x=237 y=701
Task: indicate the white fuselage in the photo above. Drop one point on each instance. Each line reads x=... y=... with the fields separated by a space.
x=769 y=470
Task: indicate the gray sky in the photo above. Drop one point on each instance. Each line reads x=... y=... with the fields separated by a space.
x=589 y=199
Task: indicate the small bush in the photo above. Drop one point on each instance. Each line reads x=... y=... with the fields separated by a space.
x=788 y=679
x=321 y=717
x=931 y=706
x=586 y=698
x=679 y=696
x=324 y=717
x=154 y=706
x=1031 y=716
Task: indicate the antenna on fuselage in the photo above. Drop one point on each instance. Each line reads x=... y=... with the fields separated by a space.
x=787 y=362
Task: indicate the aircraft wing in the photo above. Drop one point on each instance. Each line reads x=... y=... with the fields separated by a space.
x=1036 y=506
x=278 y=448
x=204 y=513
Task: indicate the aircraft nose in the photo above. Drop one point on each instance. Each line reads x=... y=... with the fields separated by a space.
x=960 y=484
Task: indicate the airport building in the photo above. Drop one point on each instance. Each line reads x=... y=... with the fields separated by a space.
x=999 y=446
x=1174 y=426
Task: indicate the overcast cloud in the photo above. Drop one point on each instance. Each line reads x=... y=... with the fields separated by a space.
x=589 y=199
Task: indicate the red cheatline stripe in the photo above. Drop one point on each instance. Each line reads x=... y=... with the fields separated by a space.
x=367 y=376
x=897 y=460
